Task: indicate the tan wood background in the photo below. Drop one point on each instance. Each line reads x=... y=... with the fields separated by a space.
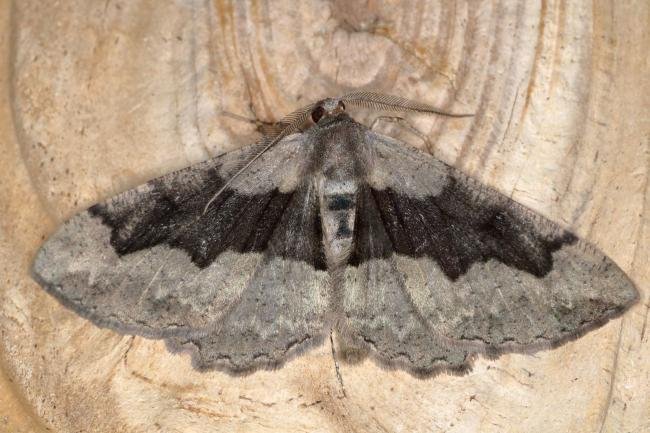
x=98 y=96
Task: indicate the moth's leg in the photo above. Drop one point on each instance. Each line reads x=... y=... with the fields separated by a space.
x=406 y=125
x=264 y=127
x=336 y=364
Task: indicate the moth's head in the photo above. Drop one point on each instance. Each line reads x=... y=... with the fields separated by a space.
x=326 y=110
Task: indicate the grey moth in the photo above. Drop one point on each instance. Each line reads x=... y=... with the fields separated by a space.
x=327 y=227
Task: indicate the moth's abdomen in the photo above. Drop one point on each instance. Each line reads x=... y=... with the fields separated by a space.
x=338 y=202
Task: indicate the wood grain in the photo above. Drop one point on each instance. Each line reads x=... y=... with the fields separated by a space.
x=98 y=96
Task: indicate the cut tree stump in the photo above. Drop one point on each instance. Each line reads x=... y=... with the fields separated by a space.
x=99 y=96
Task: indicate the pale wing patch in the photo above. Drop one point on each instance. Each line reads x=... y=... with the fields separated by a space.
x=391 y=164
x=282 y=312
x=283 y=166
x=127 y=293
x=382 y=322
x=494 y=304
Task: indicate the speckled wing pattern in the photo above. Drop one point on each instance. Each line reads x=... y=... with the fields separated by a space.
x=249 y=270
x=332 y=229
x=445 y=268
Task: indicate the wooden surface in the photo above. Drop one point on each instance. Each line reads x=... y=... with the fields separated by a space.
x=98 y=96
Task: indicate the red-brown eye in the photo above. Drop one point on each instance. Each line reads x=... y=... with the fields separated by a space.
x=341 y=105
x=317 y=113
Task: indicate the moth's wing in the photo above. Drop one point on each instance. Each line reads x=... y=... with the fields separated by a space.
x=445 y=267
x=284 y=308
x=380 y=318
x=154 y=262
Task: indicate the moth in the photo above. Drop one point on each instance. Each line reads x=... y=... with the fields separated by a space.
x=327 y=227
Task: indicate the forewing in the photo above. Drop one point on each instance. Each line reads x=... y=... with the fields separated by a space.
x=473 y=270
x=156 y=262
